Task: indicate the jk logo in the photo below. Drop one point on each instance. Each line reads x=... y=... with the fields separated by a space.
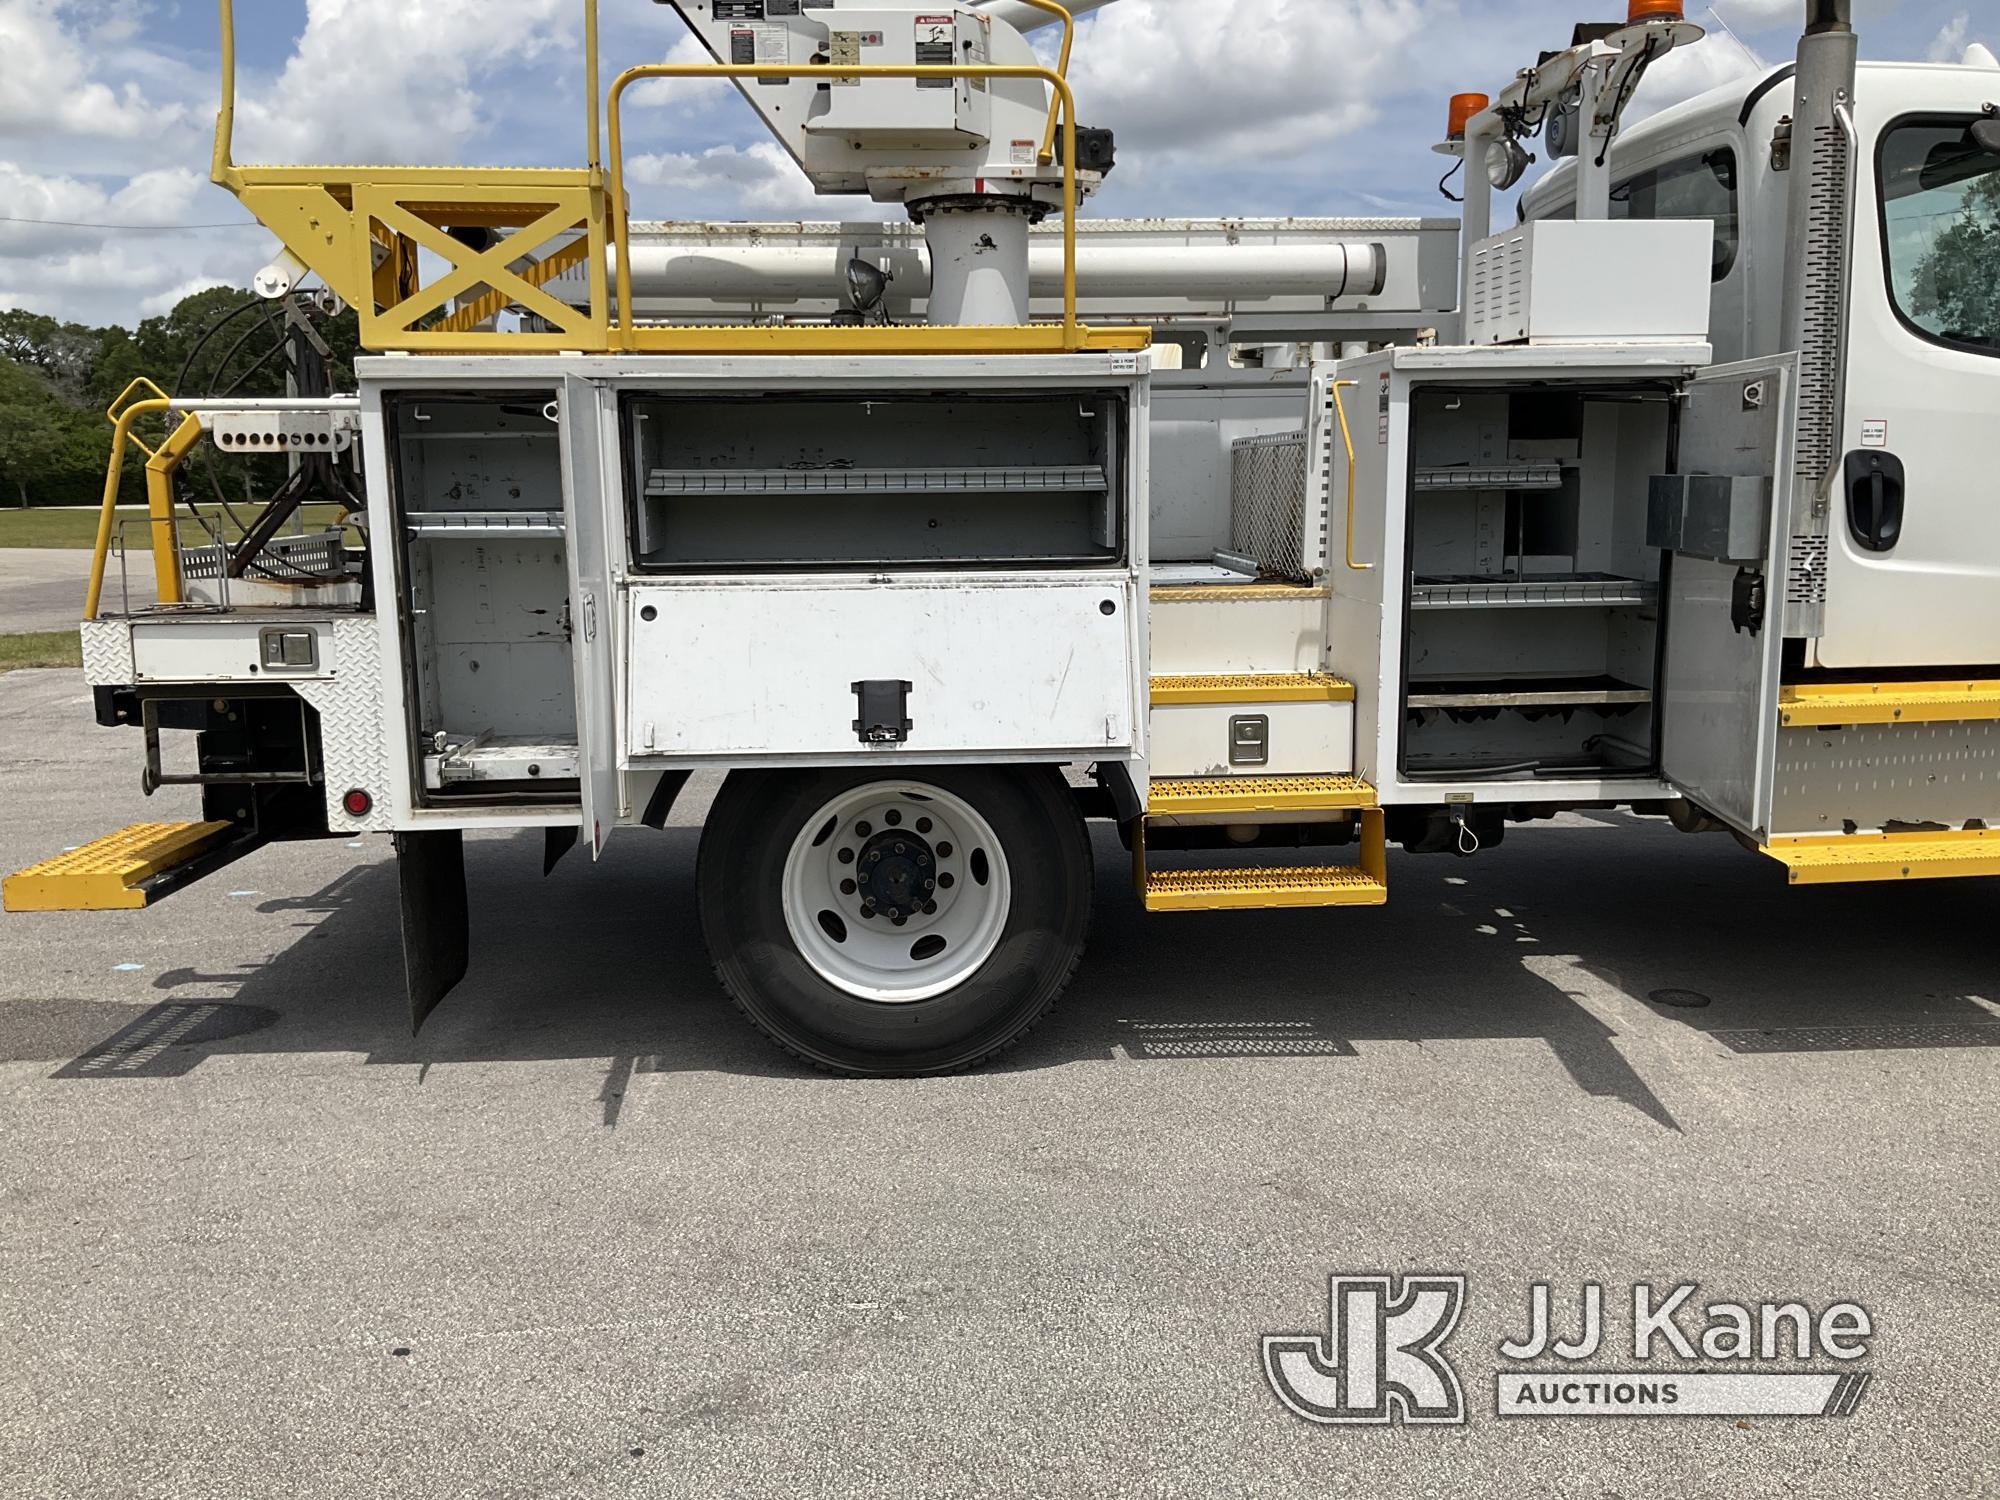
x=1380 y=1360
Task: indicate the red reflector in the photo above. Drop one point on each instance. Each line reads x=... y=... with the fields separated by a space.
x=358 y=803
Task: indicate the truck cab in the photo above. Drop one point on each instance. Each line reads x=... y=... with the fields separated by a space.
x=1913 y=554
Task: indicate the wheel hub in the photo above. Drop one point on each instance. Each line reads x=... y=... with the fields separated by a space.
x=896 y=874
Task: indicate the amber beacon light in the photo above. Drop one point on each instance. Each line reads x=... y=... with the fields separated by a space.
x=1656 y=10
x=1464 y=107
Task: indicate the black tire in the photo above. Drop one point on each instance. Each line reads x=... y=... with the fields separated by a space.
x=744 y=846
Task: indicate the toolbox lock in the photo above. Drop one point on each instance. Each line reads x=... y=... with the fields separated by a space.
x=885 y=709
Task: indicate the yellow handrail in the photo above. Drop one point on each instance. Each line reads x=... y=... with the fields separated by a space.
x=122 y=416
x=1048 y=150
x=1073 y=335
x=1347 y=437
x=222 y=167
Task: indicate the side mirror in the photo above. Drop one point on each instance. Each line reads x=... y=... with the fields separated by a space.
x=1986 y=134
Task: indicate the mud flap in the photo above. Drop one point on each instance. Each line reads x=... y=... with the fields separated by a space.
x=436 y=935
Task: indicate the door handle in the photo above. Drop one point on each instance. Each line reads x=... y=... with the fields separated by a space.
x=1875 y=499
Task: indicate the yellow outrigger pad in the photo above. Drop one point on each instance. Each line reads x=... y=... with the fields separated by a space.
x=1842 y=858
x=111 y=873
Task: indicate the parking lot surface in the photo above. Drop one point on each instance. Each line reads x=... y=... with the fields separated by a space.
x=587 y=1235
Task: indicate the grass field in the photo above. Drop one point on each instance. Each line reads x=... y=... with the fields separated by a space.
x=78 y=528
x=45 y=648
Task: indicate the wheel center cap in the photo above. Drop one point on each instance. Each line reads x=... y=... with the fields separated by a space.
x=896 y=870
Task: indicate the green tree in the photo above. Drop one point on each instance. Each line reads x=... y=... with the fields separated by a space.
x=42 y=447
x=1958 y=281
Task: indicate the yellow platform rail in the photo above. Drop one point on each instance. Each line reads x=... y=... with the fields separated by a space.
x=365 y=230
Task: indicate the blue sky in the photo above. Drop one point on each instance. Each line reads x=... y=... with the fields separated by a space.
x=1308 y=107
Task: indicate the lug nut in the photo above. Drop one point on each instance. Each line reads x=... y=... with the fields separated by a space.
x=944 y=851
x=862 y=830
x=846 y=856
x=898 y=918
x=892 y=817
x=901 y=847
x=946 y=881
x=848 y=887
x=930 y=908
x=930 y=885
x=923 y=861
x=923 y=825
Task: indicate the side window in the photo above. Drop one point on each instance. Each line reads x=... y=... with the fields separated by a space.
x=1700 y=187
x=1941 y=230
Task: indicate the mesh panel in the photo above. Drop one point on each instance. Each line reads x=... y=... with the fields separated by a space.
x=1267 y=503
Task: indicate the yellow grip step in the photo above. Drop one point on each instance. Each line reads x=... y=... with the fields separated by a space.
x=1806 y=705
x=110 y=874
x=1263 y=888
x=1203 y=796
x=1847 y=858
x=1254 y=687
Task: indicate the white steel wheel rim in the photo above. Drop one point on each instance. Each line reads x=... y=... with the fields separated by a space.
x=861 y=861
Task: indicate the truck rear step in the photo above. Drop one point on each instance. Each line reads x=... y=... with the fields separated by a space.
x=1250 y=887
x=1843 y=858
x=128 y=870
x=1253 y=687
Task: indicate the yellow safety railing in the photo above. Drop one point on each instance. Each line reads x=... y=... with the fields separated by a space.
x=364 y=230
x=124 y=414
x=630 y=337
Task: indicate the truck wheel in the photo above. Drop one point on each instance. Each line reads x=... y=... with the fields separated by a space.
x=895 y=923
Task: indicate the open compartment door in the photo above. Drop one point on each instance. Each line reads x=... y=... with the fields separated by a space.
x=588 y=457
x=1724 y=518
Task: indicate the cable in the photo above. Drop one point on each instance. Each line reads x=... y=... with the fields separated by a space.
x=1456 y=167
x=135 y=228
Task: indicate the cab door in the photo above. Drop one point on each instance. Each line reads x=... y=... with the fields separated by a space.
x=590 y=470
x=1723 y=598
x=1913 y=520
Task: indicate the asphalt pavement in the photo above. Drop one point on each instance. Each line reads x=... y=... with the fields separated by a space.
x=588 y=1236
x=43 y=588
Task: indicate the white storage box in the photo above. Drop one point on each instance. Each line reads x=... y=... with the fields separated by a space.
x=1603 y=281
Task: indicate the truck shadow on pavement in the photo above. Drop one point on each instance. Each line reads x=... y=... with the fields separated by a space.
x=1562 y=938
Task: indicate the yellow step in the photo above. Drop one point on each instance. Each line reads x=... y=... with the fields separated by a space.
x=1234 y=593
x=1844 y=858
x=1253 y=687
x=110 y=874
x=1203 y=796
x=1262 y=888
x=1805 y=705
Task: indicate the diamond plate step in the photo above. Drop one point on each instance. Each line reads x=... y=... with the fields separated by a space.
x=117 y=872
x=1847 y=858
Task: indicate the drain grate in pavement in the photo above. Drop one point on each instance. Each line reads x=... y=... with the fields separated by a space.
x=163 y=1042
x=1865 y=1038
x=1196 y=1039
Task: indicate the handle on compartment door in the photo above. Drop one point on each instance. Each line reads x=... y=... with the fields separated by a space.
x=1347 y=437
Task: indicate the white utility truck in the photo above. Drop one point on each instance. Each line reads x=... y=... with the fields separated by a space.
x=1262 y=540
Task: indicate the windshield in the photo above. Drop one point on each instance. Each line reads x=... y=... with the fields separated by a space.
x=1941 y=222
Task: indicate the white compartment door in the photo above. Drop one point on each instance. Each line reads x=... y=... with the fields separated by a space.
x=589 y=468
x=1724 y=621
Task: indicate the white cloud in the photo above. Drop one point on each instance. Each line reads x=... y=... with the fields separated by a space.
x=756 y=181
x=1950 y=43
x=1202 y=81
x=53 y=49
x=1686 y=72
x=396 y=81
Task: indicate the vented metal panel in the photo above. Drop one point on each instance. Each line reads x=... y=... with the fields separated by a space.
x=1267 y=504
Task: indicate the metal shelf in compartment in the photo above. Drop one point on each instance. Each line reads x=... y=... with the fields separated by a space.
x=1554 y=590
x=1594 y=692
x=1457 y=479
x=475 y=525
x=672 y=483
